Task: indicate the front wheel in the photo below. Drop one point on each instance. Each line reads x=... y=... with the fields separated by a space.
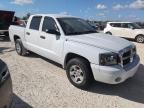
x=20 y=48
x=140 y=38
x=79 y=73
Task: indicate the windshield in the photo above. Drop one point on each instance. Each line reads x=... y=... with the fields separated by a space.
x=134 y=25
x=75 y=26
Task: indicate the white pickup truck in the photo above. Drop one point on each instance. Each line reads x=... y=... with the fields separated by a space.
x=73 y=43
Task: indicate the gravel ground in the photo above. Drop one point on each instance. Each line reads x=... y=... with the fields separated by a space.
x=40 y=83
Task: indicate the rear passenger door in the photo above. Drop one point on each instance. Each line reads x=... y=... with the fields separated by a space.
x=32 y=33
x=127 y=30
x=116 y=29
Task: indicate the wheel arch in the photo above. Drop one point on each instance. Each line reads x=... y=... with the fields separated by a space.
x=70 y=56
x=138 y=35
x=108 y=32
x=16 y=37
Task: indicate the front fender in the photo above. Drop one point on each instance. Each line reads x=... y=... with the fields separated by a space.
x=91 y=53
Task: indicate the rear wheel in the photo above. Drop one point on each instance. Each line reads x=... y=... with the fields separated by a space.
x=20 y=48
x=79 y=73
x=140 y=38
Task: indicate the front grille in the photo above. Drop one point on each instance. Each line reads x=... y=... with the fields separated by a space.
x=126 y=61
x=126 y=57
x=126 y=54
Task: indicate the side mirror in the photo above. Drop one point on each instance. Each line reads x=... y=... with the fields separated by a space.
x=52 y=31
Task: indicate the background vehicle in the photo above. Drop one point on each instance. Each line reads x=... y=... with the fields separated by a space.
x=125 y=29
x=78 y=47
x=6 y=18
x=141 y=24
x=5 y=86
x=99 y=25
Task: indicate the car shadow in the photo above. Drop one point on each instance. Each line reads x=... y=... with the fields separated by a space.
x=34 y=55
x=6 y=49
x=4 y=39
x=19 y=103
x=132 y=89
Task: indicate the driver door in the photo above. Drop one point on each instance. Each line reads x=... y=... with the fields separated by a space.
x=50 y=43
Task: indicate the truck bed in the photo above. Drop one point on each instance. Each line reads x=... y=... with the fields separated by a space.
x=15 y=30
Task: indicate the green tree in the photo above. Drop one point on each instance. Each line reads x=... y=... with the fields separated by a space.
x=26 y=16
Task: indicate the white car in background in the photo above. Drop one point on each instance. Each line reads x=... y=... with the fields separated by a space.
x=125 y=29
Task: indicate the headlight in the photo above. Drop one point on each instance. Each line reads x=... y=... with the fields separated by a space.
x=108 y=59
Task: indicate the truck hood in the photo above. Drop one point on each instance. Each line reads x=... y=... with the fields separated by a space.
x=101 y=40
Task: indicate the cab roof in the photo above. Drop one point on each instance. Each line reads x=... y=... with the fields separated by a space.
x=54 y=15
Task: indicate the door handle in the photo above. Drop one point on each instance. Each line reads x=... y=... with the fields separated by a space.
x=42 y=37
x=27 y=33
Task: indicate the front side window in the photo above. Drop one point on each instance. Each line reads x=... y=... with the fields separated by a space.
x=131 y=25
x=35 y=22
x=75 y=26
x=134 y=26
x=49 y=24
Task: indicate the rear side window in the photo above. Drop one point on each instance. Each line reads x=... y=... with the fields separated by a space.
x=35 y=22
x=49 y=24
x=115 y=24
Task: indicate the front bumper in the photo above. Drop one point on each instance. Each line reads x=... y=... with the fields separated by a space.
x=115 y=74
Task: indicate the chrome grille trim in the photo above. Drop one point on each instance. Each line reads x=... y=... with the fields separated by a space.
x=130 y=56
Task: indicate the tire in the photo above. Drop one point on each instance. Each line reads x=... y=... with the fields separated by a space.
x=109 y=33
x=20 y=48
x=140 y=38
x=79 y=73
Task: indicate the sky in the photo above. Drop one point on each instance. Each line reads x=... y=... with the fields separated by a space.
x=131 y=10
